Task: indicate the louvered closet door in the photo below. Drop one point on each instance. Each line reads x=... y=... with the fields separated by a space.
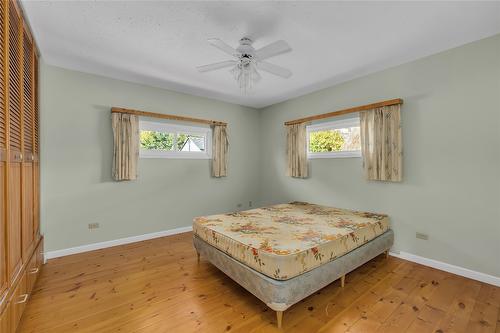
x=27 y=134
x=27 y=210
x=3 y=153
x=14 y=237
x=3 y=244
x=36 y=152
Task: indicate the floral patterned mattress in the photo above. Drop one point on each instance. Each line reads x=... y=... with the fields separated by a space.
x=286 y=240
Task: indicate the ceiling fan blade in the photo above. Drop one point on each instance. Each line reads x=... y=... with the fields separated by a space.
x=257 y=76
x=223 y=46
x=274 y=69
x=273 y=49
x=217 y=65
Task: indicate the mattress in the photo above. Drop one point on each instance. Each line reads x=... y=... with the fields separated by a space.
x=286 y=240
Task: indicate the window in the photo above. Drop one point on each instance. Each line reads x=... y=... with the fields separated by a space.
x=165 y=140
x=340 y=138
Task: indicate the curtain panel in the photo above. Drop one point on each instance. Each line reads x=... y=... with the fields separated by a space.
x=381 y=143
x=126 y=146
x=297 y=150
x=220 y=145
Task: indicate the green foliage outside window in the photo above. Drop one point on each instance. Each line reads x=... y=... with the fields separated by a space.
x=324 y=141
x=181 y=139
x=157 y=140
x=153 y=140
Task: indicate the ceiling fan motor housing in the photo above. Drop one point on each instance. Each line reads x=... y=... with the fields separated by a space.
x=246 y=41
x=245 y=49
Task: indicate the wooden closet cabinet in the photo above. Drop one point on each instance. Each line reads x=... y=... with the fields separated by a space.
x=21 y=245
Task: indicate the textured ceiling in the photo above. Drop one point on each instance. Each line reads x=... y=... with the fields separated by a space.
x=161 y=43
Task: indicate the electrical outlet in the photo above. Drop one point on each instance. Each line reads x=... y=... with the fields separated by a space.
x=250 y=204
x=420 y=235
x=93 y=226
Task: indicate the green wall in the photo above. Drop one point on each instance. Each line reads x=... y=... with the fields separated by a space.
x=76 y=143
x=451 y=138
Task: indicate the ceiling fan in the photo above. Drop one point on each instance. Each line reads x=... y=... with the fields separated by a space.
x=249 y=61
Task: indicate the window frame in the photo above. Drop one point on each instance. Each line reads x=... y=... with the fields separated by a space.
x=333 y=125
x=148 y=125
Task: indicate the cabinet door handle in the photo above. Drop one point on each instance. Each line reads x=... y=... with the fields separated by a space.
x=23 y=299
x=34 y=270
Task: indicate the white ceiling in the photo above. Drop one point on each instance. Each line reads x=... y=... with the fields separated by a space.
x=161 y=43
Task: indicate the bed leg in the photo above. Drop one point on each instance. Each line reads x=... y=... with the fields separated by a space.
x=279 y=318
x=386 y=254
x=198 y=255
x=342 y=281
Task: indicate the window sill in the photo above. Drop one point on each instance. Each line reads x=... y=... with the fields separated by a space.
x=175 y=155
x=344 y=154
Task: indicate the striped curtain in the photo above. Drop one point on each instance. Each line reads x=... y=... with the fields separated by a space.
x=220 y=146
x=381 y=143
x=297 y=150
x=126 y=146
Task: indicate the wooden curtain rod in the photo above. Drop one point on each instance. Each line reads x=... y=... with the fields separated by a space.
x=167 y=116
x=346 y=111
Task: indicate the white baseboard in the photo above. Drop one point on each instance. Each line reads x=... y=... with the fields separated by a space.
x=468 y=273
x=115 y=242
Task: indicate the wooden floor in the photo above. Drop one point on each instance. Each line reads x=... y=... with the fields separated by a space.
x=157 y=286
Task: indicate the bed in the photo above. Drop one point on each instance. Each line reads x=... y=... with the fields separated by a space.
x=284 y=253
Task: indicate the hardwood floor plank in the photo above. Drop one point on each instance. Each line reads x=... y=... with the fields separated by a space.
x=498 y=322
x=438 y=304
x=158 y=286
x=484 y=316
x=457 y=318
